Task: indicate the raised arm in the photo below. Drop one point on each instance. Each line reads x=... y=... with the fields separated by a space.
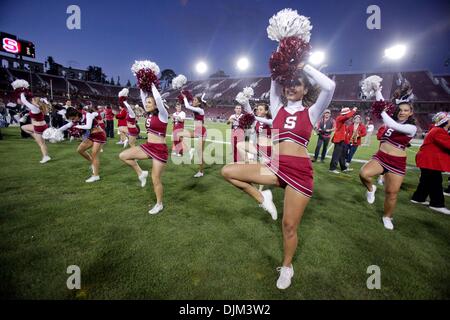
x=276 y=91
x=195 y=109
x=378 y=95
x=407 y=129
x=327 y=87
x=163 y=114
x=130 y=110
x=89 y=120
x=264 y=120
x=144 y=96
x=247 y=107
x=29 y=105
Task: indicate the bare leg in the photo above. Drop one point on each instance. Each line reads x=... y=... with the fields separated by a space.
x=392 y=184
x=41 y=142
x=157 y=170
x=369 y=170
x=130 y=156
x=243 y=175
x=200 y=149
x=83 y=147
x=96 y=157
x=294 y=207
x=132 y=141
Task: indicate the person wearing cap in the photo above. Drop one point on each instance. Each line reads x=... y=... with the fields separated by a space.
x=353 y=136
x=339 y=140
x=324 y=128
x=433 y=158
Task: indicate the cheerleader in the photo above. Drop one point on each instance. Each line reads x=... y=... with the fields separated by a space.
x=37 y=110
x=237 y=132
x=290 y=166
x=198 y=107
x=155 y=148
x=390 y=160
x=122 y=124
x=132 y=130
x=263 y=126
x=178 y=126
x=96 y=137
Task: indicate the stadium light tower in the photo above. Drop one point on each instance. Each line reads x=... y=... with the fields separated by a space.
x=317 y=58
x=243 y=64
x=201 y=67
x=395 y=52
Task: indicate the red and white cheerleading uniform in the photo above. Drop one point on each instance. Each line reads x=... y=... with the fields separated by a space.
x=35 y=115
x=398 y=135
x=89 y=122
x=199 y=117
x=237 y=135
x=156 y=124
x=294 y=123
x=122 y=117
x=178 y=126
x=263 y=128
x=133 y=130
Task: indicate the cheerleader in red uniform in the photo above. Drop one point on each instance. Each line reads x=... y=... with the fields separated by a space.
x=390 y=159
x=38 y=125
x=132 y=129
x=237 y=132
x=155 y=148
x=178 y=118
x=96 y=139
x=198 y=107
x=122 y=124
x=263 y=126
x=290 y=166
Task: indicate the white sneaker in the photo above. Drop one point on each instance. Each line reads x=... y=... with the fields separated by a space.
x=268 y=204
x=425 y=203
x=335 y=171
x=191 y=153
x=284 y=280
x=125 y=143
x=120 y=142
x=441 y=210
x=156 y=209
x=174 y=153
x=348 y=170
x=447 y=194
x=45 y=159
x=198 y=174
x=71 y=138
x=371 y=195
x=93 y=179
x=101 y=150
x=388 y=223
x=380 y=180
x=143 y=178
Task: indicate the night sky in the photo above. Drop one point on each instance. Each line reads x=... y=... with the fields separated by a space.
x=177 y=33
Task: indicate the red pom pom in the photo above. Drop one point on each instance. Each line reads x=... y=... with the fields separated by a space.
x=18 y=91
x=284 y=62
x=187 y=94
x=121 y=100
x=379 y=106
x=246 y=120
x=146 y=78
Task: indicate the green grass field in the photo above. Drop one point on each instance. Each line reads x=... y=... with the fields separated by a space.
x=210 y=242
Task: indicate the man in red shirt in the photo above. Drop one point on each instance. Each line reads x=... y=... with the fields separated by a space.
x=109 y=117
x=433 y=158
x=339 y=151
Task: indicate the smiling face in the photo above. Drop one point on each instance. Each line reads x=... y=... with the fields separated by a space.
x=261 y=111
x=196 y=102
x=150 y=104
x=296 y=91
x=405 y=111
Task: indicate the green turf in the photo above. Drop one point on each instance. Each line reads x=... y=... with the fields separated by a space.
x=211 y=241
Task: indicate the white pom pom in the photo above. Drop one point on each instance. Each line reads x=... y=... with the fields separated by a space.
x=288 y=23
x=53 y=135
x=371 y=85
x=123 y=92
x=178 y=82
x=145 y=64
x=19 y=83
x=248 y=92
